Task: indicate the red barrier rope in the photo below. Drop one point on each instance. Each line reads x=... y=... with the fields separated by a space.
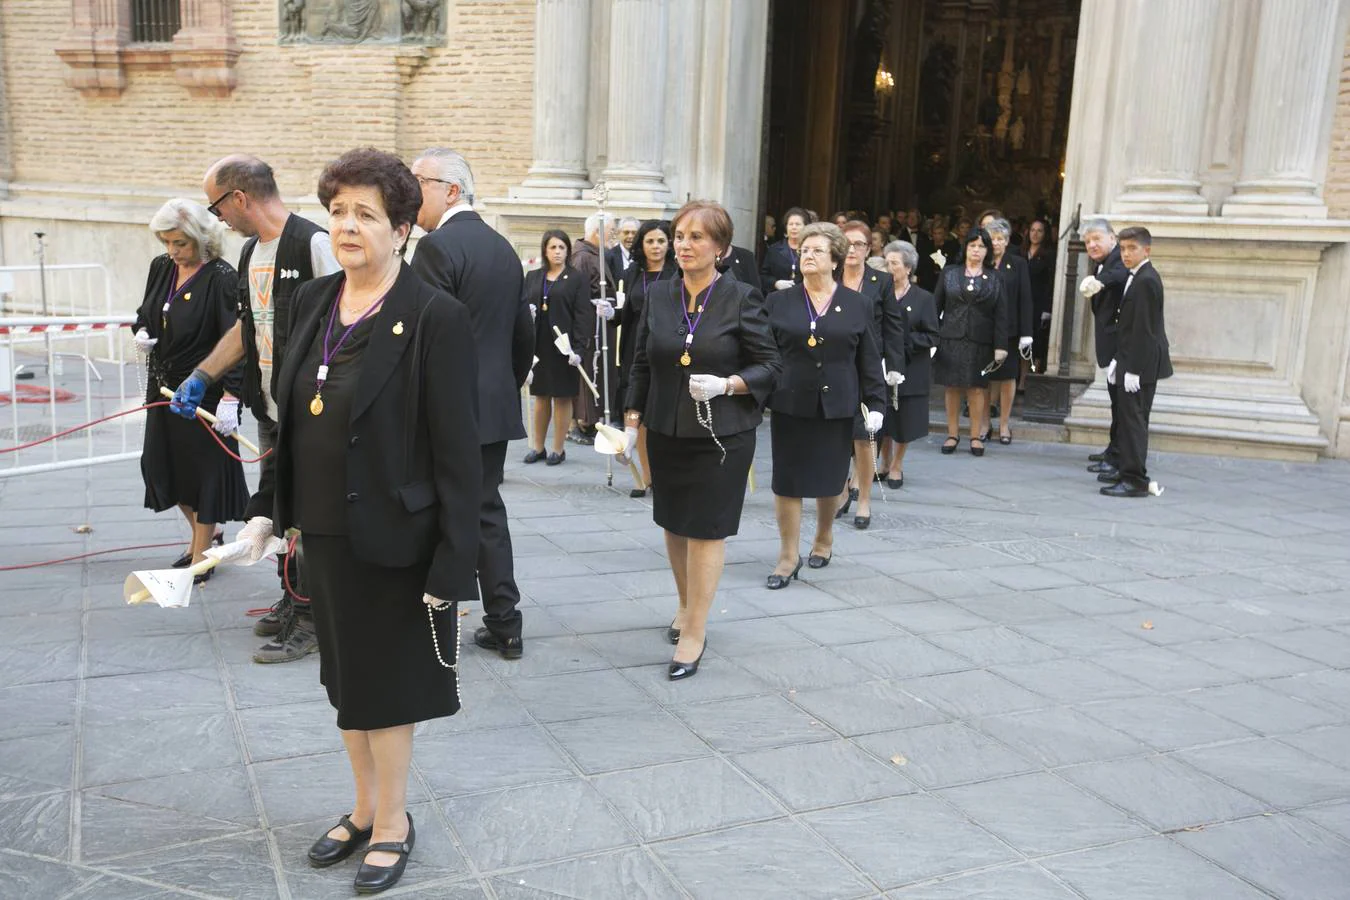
x=31 y=393
x=53 y=562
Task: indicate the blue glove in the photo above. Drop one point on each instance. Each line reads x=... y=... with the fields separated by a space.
x=189 y=395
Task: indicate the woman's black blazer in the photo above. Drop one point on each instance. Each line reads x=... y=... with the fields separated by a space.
x=733 y=338
x=564 y=304
x=920 y=323
x=978 y=315
x=842 y=369
x=780 y=264
x=414 y=468
x=1016 y=277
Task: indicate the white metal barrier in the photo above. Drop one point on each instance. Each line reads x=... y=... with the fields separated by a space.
x=106 y=382
x=76 y=289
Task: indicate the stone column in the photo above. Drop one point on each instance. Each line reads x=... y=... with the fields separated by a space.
x=637 y=89
x=1289 y=113
x=1167 y=87
x=561 y=64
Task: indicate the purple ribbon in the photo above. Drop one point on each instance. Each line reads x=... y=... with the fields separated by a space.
x=330 y=354
x=700 y=305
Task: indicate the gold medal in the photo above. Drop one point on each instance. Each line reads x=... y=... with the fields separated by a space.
x=811 y=341
x=685 y=359
x=544 y=307
x=188 y=295
x=316 y=405
x=398 y=328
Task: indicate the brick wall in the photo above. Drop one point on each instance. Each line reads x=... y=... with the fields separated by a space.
x=1337 y=193
x=295 y=106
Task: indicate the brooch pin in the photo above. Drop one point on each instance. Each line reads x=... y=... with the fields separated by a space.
x=398 y=328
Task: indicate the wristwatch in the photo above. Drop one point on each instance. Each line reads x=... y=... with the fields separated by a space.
x=731 y=387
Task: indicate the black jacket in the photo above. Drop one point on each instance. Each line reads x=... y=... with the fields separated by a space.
x=876 y=287
x=565 y=301
x=733 y=338
x=780 y=264
x=740 y=262
x=471 y=262
x=1017 y=294
x=1111 y=272
x=918 y=311
x=1143 y=349
x=978 y=315
x=414 y=469
x=1041 y=273
x=843 y=368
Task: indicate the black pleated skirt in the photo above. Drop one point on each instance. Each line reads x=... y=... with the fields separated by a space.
x=810 y=455
x=376 y=655
x=695 y=494
x=910 y=421
x=182 y=463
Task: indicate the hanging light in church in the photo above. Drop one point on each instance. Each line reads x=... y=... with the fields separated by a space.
x=884 y=81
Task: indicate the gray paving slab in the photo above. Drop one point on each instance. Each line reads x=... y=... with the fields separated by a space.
x=965 y=704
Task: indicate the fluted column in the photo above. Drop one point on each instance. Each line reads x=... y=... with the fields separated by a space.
x=1167 y=89
x=637 y=90
x=561 y=40
x=1289 y=113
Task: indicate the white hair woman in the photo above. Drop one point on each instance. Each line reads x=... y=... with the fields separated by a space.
x=189 y=304
x=907 y=414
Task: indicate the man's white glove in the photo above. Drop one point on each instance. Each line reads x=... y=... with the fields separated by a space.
x=874 y=421
x=783 y=284
x=706 y=387
x=894 y=378
x=630 y=436
x=258 y=532
x=603 y=308
x=1024 y=343
x=1111 y=372
x=1089 y=286
x=144 y=341
x=1045 y=318
x=574 y=360
x=227 y=416
x=1131 y=383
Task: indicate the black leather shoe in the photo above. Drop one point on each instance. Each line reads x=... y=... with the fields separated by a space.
x=509 y=648
x=778 y=582
x=637 y=493
x=977 y=451
x=203 y=578
x=1111 y=477
x=556 y=459
x=1100 y=467
x=1097 y=457
x=185 y=560
x=896 y=483
x=1121 y=489
x=680 y=670
x=818 y=562
x=861 y=522
x=673 y=634
x=949 y=445
x=535 y=456
x=326 y=851
x=373 y=879
x=843 y=510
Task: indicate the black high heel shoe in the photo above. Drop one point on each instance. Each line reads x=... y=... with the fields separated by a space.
x=680 y=670
x=373 y=879
x=777 y=582
x=843 y=510
x=534 y=456
x=820 y=562
x=185 y=560
x=326 y=850
x=673 y=634
x=949 y=445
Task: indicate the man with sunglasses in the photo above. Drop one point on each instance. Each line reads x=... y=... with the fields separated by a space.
x=283 y=251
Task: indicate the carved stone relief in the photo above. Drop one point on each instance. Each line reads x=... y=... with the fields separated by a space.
x=362 y=21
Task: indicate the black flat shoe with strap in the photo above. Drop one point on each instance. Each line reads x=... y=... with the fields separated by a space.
x=949 y=445
x=327 y=850
x=373 y=879
x=976 y=451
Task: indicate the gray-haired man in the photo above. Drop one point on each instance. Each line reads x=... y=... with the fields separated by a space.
x=1104 y=286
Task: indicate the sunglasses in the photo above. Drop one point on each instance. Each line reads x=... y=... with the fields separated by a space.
x=214 y=208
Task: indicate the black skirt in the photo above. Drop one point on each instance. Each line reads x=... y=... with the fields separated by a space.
x=553 y=377
x=376 y=656
x=1011 y=367
x=182 y=463
x=910 y=421
x=694 y=493
x=959 y=361
x=810 y=456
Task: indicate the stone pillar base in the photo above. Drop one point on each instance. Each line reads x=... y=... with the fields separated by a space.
x=1049 y=398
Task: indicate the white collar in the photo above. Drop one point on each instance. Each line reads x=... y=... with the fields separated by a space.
x=1135 y=270
x=453 y=211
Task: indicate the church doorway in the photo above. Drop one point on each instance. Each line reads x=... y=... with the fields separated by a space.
x=952 y=106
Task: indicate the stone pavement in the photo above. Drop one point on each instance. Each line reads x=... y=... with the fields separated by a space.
x=1009 y=687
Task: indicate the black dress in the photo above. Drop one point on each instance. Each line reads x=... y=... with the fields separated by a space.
x=636 y=284
x=363 y=614
x=910 y=421
x=699 y=474
x=180 y=462
x=553 y=377
x=1041 y=272
x=819 y=390
x=1018 y=308
x=974 y=322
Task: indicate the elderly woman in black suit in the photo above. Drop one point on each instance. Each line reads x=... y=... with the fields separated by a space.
x=1012 y=269
x=189 y=304
x=831 y=364
x=652 y=262
x=907 y=414
x=972 y=305
x=378 y=465
x=874 y=286
x=782 y=267
x=555 y=293
x=705 y=362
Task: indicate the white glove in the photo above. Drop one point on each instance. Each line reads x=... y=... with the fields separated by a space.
x=1131 y=383
x=939 y=257
x=1089 y=286
x=144 y=341
x=1111 y=373
x=603 y=308
x=1045 y=318
x=1000 y=355
x=874 y=421
x=783 y=284
x=630 y=435
x=534 y=311
x=894 y=378
x=435 y=603
x=574 y=360
x=706 y=387
x=1024 y=343
x=529 y=377
x=258 y=532
x=227 y=416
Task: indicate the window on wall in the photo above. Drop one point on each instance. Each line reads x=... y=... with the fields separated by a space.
x=154 y=21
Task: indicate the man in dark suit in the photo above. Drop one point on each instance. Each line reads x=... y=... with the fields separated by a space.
x=1142 y=360
x=463 y=256
x=620 y=256
x=1104 y=286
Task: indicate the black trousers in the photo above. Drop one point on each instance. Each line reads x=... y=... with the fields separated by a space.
x=496 y=563
x=1112 y=452
x=290 y=563
x=1131 y=426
